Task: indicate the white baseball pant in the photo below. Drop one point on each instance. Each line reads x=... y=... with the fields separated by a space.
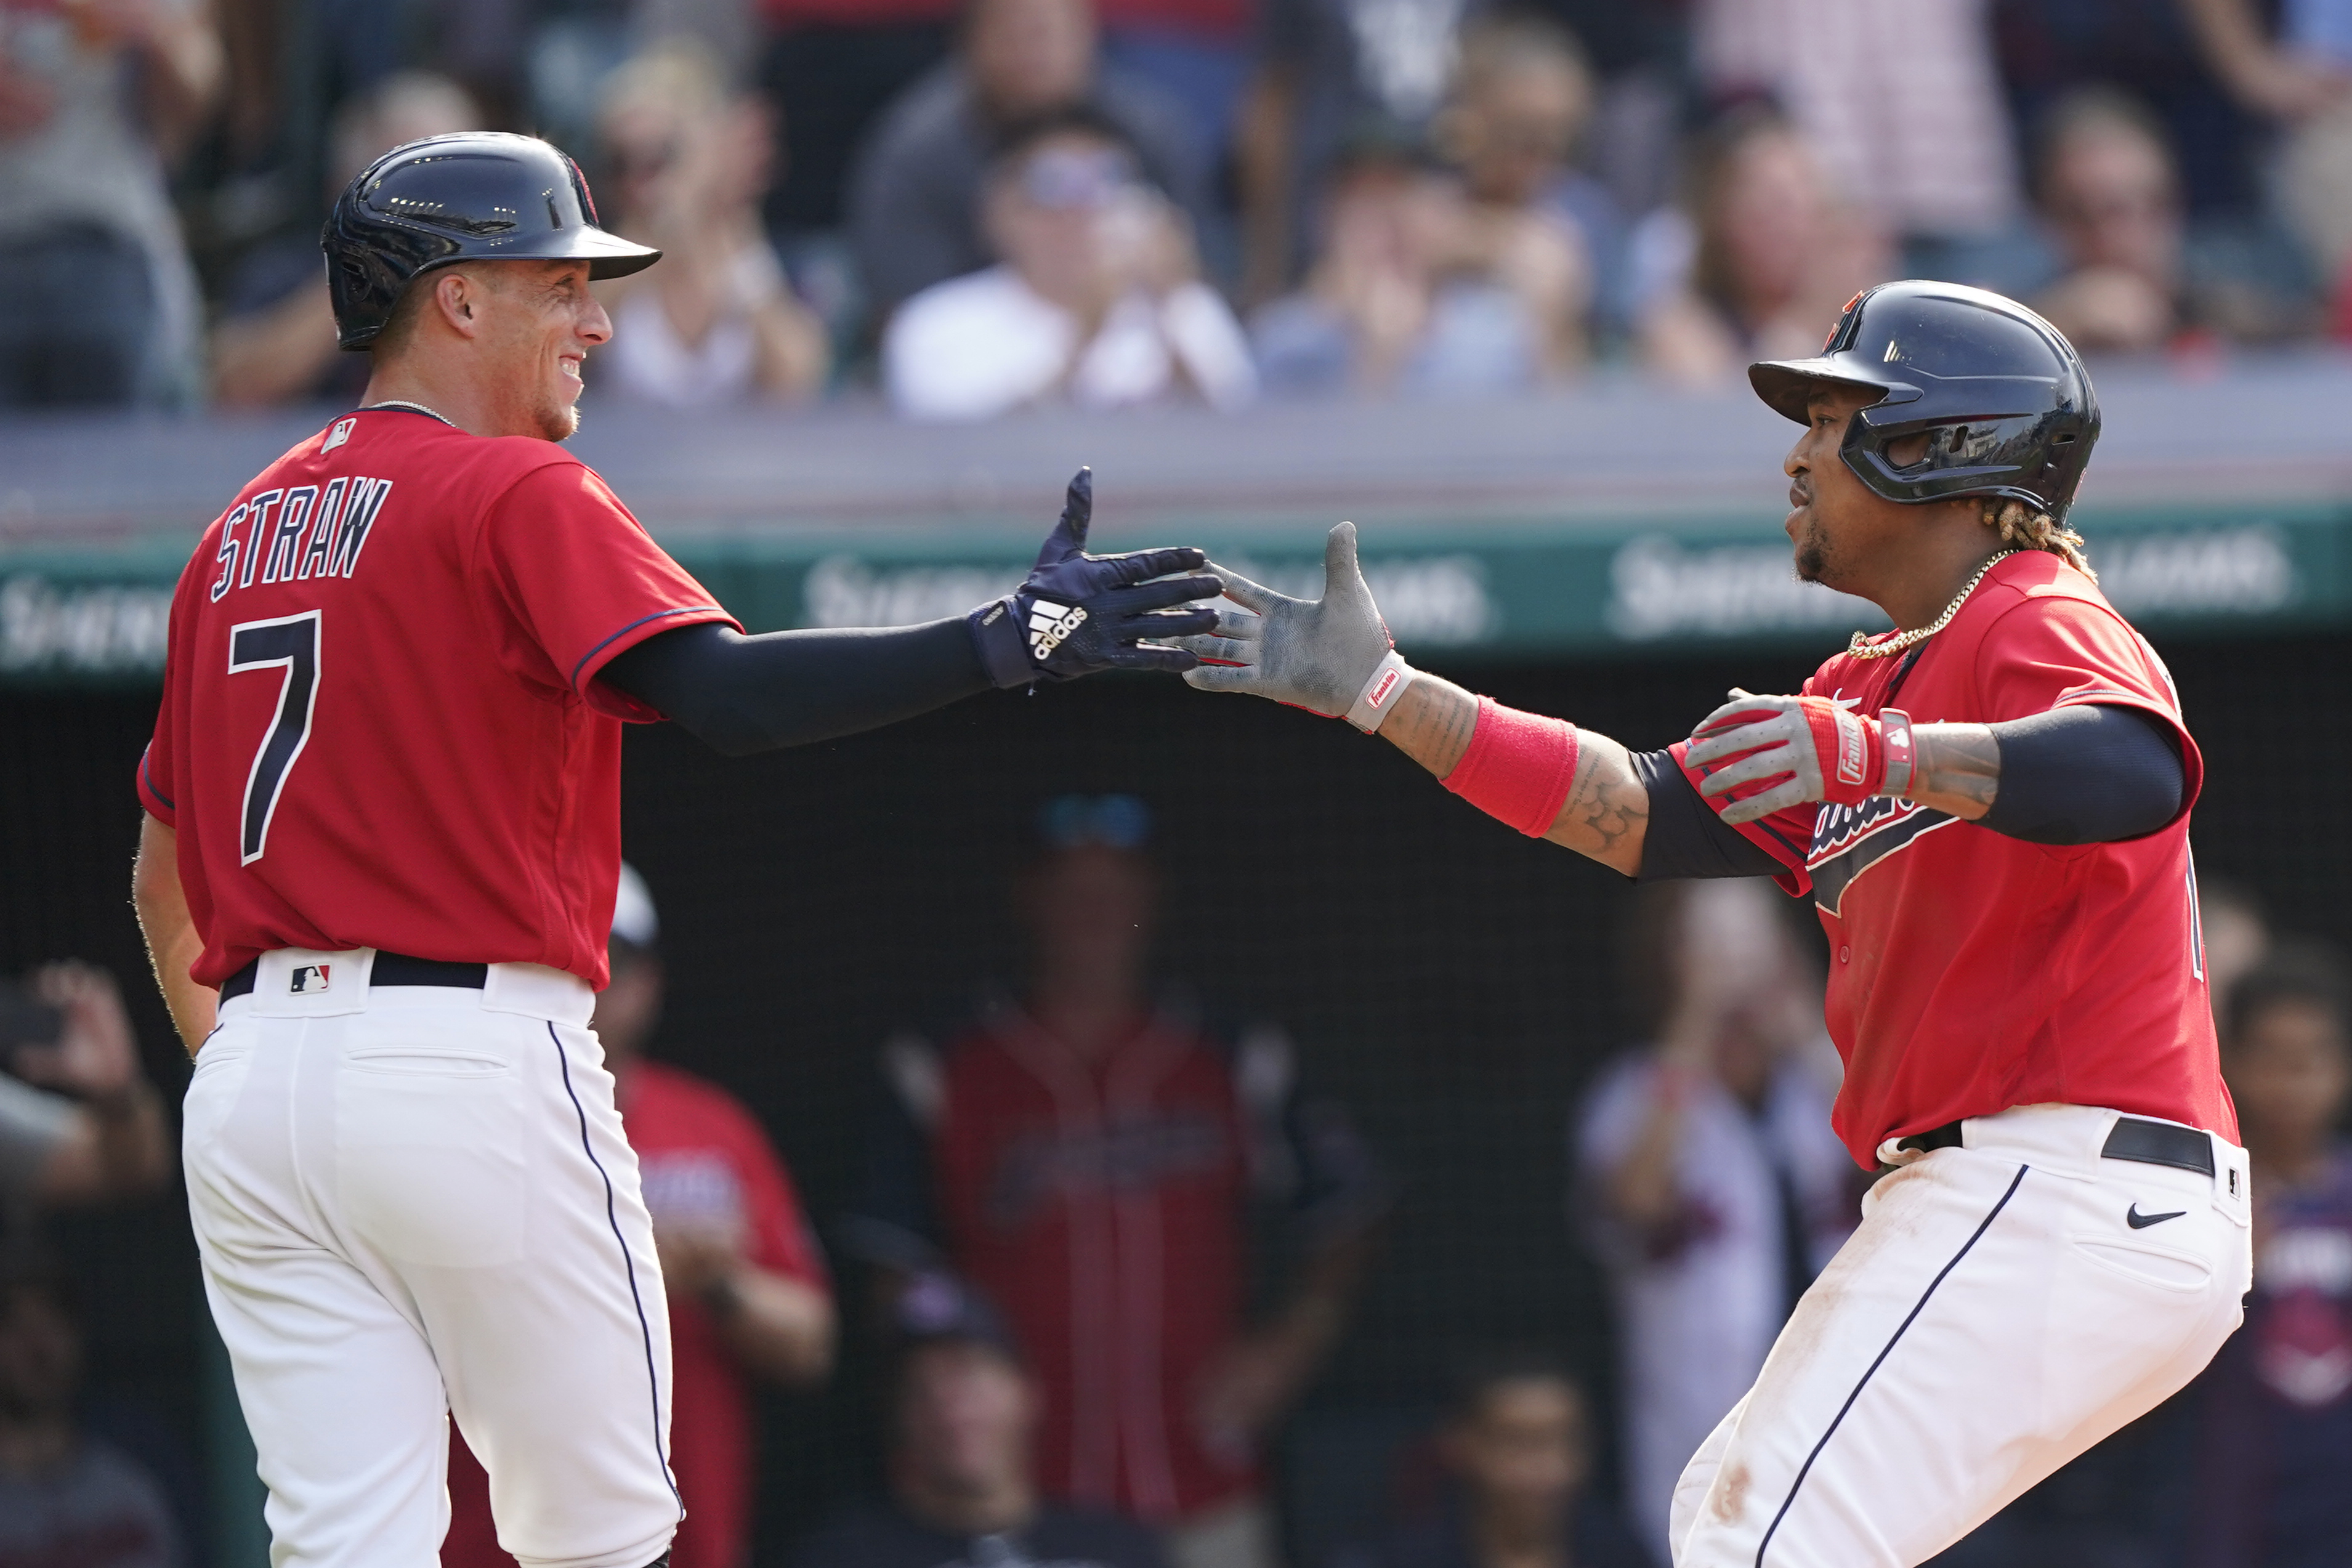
x=2004 y=1305
x=415 y=1202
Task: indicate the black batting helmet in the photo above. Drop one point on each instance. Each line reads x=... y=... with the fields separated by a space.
x=477 y=195
x=2000 y=394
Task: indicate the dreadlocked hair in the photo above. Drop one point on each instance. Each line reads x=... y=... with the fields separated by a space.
x=2023 y=528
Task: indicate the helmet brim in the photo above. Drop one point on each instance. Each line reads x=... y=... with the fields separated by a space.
x=1787 y=385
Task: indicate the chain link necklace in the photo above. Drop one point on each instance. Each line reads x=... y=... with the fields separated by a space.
x=411 y=408
x=1863 y=648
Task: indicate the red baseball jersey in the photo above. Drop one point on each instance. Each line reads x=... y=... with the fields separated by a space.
x=1104 y=1205
x=381 y=725
x=705 y=1163
x=1970 y=972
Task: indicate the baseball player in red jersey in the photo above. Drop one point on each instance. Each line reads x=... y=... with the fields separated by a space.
x=1988 y=807
x=379 y=861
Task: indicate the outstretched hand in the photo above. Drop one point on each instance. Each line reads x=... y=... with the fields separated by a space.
x=1314 y=654
x=1078 y=614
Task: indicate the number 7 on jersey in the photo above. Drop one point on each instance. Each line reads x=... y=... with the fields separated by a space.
x=290 y=643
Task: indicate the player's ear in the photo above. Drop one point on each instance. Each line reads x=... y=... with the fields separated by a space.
x=457 y=298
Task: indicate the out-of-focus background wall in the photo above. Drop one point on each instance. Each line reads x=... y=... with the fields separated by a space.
x=1483 y=278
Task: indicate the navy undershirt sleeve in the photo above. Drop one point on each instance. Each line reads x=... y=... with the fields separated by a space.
x=743 y=694
x=1686 y=837
x=2085 y=775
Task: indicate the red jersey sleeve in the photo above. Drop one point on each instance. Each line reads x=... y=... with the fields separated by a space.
x=159 y=786
x=2058 y=650
x=575 y=581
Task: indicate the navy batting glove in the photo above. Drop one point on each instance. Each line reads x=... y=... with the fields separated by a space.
x=1078 y=613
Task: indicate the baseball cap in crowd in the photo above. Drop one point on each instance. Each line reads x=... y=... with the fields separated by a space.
x=937 y=1308
x=1076 y=821
x=634 y=920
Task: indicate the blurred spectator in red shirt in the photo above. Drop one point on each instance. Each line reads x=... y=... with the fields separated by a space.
x=718 y=321
x=1767 y=256
x=1517 y=1445
x=98 y=100
x=275 y=339
x=748 y=1295
x=92 y=1130
x=2132 y=278
x=68 y=1498
x=1098 y=302
x=1091 y=1161
x=915 y=202
x=2276 y=1405
x=963 y=1487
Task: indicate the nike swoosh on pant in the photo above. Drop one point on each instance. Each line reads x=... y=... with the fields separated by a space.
x=2138 y=1220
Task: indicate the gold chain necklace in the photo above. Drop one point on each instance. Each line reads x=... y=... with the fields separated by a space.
x=1863 y=648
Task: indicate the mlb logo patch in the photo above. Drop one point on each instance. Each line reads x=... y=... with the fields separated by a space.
x=307 y=979
x=337 y=434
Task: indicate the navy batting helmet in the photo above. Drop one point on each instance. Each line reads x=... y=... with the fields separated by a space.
x=477 y=195
x=1999 y=392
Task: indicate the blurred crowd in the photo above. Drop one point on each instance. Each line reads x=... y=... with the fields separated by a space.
x=1110 y=1237
x=970 y=207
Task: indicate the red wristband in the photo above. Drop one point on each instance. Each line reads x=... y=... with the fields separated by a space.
x=1518 y=767
x=1852 y=748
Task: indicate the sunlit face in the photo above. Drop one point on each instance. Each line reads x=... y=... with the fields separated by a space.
x=2111 y=199
x=2288 y=1071
x=1522 y=126
x=1047 y=214
x=1029 y=56
x=535 y=323
x=1834 y=519
x=1771 y=210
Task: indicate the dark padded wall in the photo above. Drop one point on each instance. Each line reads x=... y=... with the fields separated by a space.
x=1453 y=983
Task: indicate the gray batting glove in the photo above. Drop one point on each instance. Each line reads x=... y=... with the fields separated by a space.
x=1331 y=655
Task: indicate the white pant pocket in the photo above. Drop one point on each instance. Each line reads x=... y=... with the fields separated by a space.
x=431 y=1153
x=2163 y=1267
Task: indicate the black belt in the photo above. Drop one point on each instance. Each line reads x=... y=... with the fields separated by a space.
x=390 y=969
x=2135 y=1137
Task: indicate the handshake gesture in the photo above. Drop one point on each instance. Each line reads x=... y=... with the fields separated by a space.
x=1078 y=614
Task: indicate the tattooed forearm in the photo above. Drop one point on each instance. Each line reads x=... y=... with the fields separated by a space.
x=1608 y=812
x=1432 y=723
x=1957 y=770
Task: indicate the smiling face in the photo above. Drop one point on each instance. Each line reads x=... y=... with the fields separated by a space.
x=538 y=321
x=514 y=332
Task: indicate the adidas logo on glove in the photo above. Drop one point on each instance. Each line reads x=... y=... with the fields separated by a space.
x=1050 y=625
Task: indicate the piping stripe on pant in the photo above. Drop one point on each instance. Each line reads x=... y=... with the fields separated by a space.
x=1920 y=1306
x=611 y=1217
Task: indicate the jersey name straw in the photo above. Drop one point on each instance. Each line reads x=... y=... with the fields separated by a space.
x=381 y=723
